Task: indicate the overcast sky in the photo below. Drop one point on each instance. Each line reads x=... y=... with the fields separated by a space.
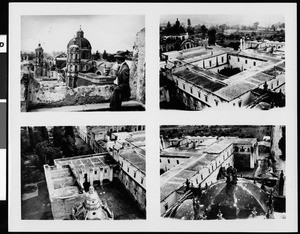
x=110 y=33
x=264 y=20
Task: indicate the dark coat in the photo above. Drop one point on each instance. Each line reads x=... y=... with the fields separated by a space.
x=123 y=80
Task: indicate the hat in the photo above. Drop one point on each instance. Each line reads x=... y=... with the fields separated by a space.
x=120 y=54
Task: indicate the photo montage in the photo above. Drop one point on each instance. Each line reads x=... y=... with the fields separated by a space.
x=83 y=172
x=222 y=61
x=219 y=172
x=82 y=63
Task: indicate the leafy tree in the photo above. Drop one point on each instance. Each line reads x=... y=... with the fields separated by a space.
x=47 y=153
x=104 y=55
x=58 y=135
x=211 y=36
x=203 y=30
x=255 y=25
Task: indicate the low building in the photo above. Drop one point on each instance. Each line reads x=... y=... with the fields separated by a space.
x=67 y=178
x=216 y=76
x=199 y=160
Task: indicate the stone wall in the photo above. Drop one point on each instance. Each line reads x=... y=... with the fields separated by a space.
x=137 y=69
x=56 y=94
x=276 y=136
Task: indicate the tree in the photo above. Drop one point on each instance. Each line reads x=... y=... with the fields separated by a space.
x=203 y=30
x=58 y=135
x=47 y=153
x=44 y=133
x=211 y=36
x=255 y=25
x=104 y=55
x=189 y=22
x=31 y=137
x=273 y=27
x=222 y=27
x=69 y=131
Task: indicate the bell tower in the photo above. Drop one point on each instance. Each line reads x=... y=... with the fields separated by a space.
x=39 y=57
x=73 y=65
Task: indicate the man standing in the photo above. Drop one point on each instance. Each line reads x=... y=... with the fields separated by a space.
x=122 y=89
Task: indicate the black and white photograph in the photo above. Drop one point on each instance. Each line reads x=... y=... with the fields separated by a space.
x=82 y=63
x=199 y=87
x=83 y=172
x=222 y=61
x=222 y=172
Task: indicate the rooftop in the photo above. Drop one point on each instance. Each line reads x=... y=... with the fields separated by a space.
x=235 y=90
x=245 y=141
x=135 y=159
x=85 y=161
x=200 y=80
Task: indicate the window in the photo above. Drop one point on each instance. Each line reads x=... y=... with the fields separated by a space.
x=240 y=103
x=206 y=98
x=177 y=161
x=222 y=59
x=96 y=172
x=166 y=206
x=210 y=63
x=217 y=103
x=127 y=169
x=238 y=59
x=134 y=174
x=277 y=82
x=201 y=177
x=229 y=57
x=160 y=160
x=271 y=86
x=246 y=61
x=191 y=89
x=183 y=86
x=105 y=170
x=142 y=180
x=254 y=63
x=199 y=94
x=208 y=170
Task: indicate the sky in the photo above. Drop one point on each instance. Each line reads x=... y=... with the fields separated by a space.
x=105 y=32
x=264 y=20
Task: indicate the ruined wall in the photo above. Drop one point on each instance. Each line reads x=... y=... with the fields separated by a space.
x=276 y=135
x=137 y=69
x=56 y=94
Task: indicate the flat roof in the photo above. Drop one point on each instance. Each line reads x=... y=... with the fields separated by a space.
x=260 y=78
x=245 y=141
x=220 y=146
x=199 y=80
x=235 y=90
x=134 y=159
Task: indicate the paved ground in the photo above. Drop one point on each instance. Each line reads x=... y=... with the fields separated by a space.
x=116 y=197
x=119 y=202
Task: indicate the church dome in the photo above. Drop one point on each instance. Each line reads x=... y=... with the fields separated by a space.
x=83 y=44
x=234 y=200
